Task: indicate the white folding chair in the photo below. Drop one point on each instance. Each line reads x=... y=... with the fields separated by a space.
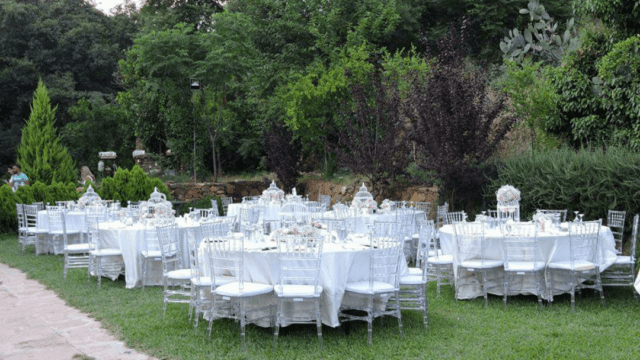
x=582 y=265
x=299 y=260
x=521 y=257
x=384 y=259
x=623 y=271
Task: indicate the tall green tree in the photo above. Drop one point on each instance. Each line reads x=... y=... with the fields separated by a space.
x=40 y=154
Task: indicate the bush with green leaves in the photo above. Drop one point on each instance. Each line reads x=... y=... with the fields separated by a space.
x=591 y=181
x=202 y=203
x=8 y=200
x=130 y=185
x=38 y=192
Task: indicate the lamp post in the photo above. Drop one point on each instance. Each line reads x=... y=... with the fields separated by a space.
x=194 y=84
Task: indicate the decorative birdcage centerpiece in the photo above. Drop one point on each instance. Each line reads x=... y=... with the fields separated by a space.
x=90 y=198
x=273 y=195
x=508 y=203
x=363 y=202
x=157 y=207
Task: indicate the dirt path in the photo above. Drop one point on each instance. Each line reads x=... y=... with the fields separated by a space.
x=36 y=324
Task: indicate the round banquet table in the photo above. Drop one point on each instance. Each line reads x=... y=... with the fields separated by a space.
x=553 y=245
x=130 y=239
x=341 y=263
x=75 y=221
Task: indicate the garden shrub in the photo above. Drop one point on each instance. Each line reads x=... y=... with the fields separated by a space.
x=591 y=181
x=8 y=200
x=202 y=203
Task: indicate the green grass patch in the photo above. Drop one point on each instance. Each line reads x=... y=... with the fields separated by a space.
x=458 y=329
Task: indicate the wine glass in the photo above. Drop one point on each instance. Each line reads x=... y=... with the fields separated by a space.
x=576 y=218
x=581 y=217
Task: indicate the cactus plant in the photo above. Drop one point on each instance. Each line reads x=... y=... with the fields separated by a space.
x=541 y=39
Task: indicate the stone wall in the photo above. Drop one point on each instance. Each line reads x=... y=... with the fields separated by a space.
x=236 y=189
x=338 y=192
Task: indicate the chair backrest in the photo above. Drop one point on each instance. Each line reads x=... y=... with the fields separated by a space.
x=151 y=240
x=423 y=206
x=326 y=200
x=93 y=232
x=340 y=210
x=455 y=217
x=94 y=214
x=296 y=211
x=493 y=214
x=169 y=248
x=225 y=204
x=40 y=205
x=249 y=215
x=299 y=259
x=584 y=241
x=427 y=246
x=615 y=221
x=250 y=199
x=634 y=238
x=55 y=218
x=22 y=222
x=208 y=213
x=563 y=213
x=31 y=215
x=211 y=230
x=385 y=254
x=441 y=215
x=197 y=272
x=214 y=207
x=520 y=246
x=386 y=228
x=226 y=255
x=470 y=238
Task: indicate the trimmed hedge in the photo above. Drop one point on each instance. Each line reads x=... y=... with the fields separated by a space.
x=38 y=192
x=591 y=181
x=126 y=185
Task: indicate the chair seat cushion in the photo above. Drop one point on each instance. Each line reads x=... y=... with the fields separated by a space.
x=412 y=280
x=440 y=260
x=415 y=271
x=479 y=264
x=578 y=265
x=78 y=248
x=182 y=274
x=151 y=253
x=106 y=252
x=623 y=260
x=362 y=287
x=206 y=281
x=523 y=266
x=60 y=232
x=297 y=290
x=249 y=289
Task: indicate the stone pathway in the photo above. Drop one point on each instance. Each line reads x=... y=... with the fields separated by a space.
x=36 y=324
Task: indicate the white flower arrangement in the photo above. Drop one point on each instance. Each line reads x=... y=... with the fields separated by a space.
x=387 y=205
x=507 y=194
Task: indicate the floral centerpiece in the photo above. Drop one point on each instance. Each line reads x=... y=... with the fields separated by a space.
x=363 y=202
x=508 y=202
x=90 y=198
x=387 y=206
x=272 y=195
x=543 y=221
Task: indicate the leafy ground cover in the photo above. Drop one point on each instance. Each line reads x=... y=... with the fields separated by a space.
x=458 y=329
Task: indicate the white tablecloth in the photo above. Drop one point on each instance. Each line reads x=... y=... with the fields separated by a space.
x=268 y=212
x=340 y=264
x=130 y=239
x=551 y=247
x=74 y=222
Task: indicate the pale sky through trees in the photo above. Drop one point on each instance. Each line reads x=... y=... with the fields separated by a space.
x=106 y=5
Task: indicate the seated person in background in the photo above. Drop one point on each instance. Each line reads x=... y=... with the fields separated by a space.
x=18 y=178
x=86 y=175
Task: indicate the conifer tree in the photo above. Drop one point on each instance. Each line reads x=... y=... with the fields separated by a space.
x=40 y=154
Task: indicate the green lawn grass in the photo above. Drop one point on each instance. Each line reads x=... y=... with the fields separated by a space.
x=458 y=329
